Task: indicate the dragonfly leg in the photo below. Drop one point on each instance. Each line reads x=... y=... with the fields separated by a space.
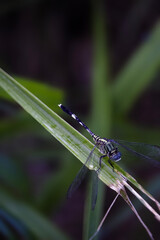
x=110 y=162
x=100 y=162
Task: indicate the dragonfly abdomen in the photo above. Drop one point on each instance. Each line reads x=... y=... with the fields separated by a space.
x=76 y=118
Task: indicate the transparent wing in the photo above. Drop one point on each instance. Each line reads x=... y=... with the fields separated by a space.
x=94 y=189
x=142 y=150
x=80 y=176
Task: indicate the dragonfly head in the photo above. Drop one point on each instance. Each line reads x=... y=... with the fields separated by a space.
x=116 y=156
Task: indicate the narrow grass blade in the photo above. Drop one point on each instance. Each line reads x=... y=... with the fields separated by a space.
x=157 y=216
x=106 y=214
x=124 y=214
x=128 y=201
x=138 y=186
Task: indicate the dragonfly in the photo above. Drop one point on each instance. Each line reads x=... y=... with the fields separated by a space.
x=109 y=148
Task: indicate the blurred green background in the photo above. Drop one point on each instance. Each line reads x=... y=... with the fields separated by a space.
x=101 y=59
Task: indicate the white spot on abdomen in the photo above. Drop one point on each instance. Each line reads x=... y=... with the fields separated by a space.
x=74 y=116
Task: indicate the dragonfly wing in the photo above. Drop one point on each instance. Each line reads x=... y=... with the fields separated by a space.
x=80 y=176
x=77 y=181
x=94 y=189
x=142 y=150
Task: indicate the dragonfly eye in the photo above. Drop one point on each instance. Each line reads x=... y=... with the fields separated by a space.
x=116 y=156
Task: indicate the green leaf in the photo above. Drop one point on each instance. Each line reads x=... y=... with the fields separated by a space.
x=46 y=93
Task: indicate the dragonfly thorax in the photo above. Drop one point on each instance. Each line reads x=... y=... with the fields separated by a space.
x=107 y=148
